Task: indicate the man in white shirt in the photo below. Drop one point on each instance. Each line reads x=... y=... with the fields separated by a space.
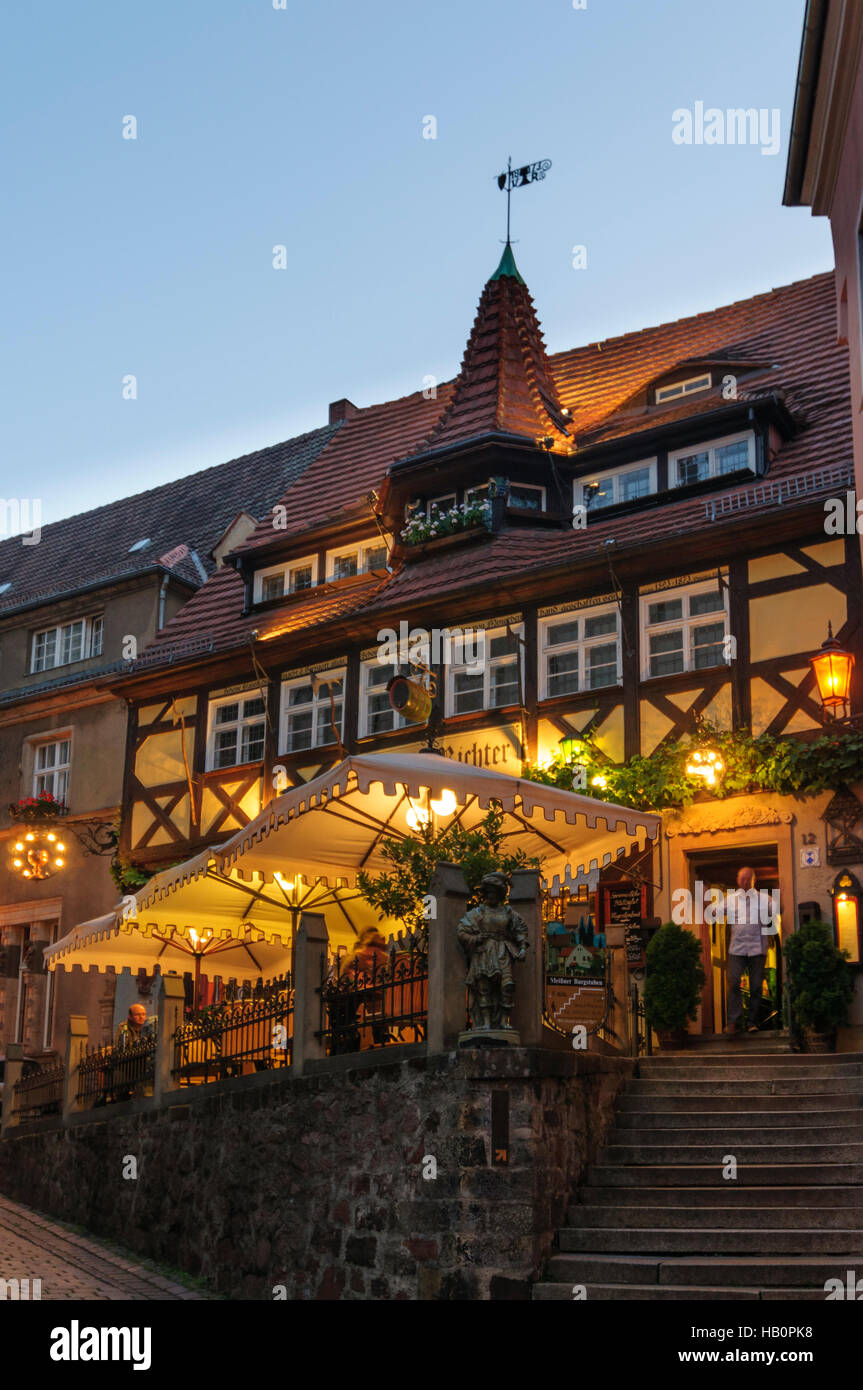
x=747 y=950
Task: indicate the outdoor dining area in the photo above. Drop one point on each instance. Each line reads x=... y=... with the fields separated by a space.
x=271 y=957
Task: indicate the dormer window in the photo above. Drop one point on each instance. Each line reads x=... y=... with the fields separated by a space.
x=360 y=558
x=527 y=495
x=598 y=490
x=711 y=460
x=687 y=386
x=441 y=504
x=278 y=580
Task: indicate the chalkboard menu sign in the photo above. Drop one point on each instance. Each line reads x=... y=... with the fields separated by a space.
x=624 y=907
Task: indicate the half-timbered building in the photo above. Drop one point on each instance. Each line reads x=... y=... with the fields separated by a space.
x=651 y=554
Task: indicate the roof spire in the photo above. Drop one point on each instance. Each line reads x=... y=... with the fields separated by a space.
x=507 y=266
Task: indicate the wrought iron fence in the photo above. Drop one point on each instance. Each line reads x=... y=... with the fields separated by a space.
x=237 y=1036
x=39 y=1093
x=642 y=1045
x=375 y=998
x=110 y=1074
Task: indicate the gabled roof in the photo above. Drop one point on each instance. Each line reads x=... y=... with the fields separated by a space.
x=792 y=328
x=189 y=514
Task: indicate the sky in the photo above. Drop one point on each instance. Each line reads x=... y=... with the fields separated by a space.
x=307 y=127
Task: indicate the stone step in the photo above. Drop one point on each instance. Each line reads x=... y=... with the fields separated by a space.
x=825 y=1121
x=731 y=1132
x=789 y=1084
x=783 y=1060
x=770 y=1174
x=711 y=1150
x=547 y=1292
x=679 y=1241
x=752 y=1216
x=734 y=1271
x=715 y=1199
x=639 y=1104
x=765 y=1071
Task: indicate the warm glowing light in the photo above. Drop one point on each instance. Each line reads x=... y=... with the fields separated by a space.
x=705 y=764
x=19 y=844
x=30 y=836
x=571 y=746
x=52 y=836
x=599 y=781
x=61 y=847
x=16 y=863
x=59 y=863
x=26 y=874
x=833 y=666
x=417 y=816
x=446 y=805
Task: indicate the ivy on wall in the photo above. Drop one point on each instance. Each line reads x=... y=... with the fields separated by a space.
x=652 y=782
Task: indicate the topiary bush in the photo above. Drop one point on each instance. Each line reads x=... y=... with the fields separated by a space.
x=821 y=984
x=675 y=978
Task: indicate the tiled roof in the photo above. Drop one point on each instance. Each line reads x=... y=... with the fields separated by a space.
x=214 y=616
x=792 y=328
x=92 y=548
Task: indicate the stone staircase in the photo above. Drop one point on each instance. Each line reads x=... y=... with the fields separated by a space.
x=656 y=1219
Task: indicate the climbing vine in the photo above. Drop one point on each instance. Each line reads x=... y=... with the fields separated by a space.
x=652 y=782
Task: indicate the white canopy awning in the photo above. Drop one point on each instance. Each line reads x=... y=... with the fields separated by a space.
x=304 y=850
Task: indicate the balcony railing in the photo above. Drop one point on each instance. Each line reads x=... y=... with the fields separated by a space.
x=111 y=1074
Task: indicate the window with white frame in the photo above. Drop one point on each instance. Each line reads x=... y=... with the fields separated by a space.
x=711 y=460
x=627 y=484
x=686 y=387
x=51 y=766
x=237 y=730
x=579 y=651
x=356 y=559
x=311 y=706
x=441 y=504
x=377 y=715
x=684 y=629
x=278 y=580
x=60 y=646
x=493 y=680
x=527 y=495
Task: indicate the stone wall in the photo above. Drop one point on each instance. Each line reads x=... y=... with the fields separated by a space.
x=316 y=1182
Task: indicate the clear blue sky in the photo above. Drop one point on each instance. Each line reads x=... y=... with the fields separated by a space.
x=303 y=127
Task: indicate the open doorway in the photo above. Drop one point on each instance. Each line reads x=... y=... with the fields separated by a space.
x=718 y=868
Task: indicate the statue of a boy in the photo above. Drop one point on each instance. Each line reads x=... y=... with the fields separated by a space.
x=492 y=936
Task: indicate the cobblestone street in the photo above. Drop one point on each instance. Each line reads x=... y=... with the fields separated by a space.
x=72 y=1266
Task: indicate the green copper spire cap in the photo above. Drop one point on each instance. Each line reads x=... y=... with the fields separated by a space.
x=507 y=266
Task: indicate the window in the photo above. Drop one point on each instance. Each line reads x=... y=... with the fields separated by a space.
x=278 y=580
x=237 y=731
x=356 y=559
x=376 y=714
x=60 y=646
x=684 y=629
x=493 y=680
x=441 y=504
x=675 y=389
x=51 y=765
x=622 y=485
x=580 y=651
x=711 y=460
x=310 y=706
x=526 y=495
x=476 y=494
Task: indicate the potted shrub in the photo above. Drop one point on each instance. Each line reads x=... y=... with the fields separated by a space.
x=820 y=986
x=673 y=983
x=33 y=808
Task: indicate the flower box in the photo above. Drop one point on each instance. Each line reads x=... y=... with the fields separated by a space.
x=35 y=808
x=415 y=550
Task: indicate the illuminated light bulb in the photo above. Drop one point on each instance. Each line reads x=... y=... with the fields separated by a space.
x=417 y=816
x=19 y=844
x=16 y=863
x=27 y=873
x=30 y=836
x=599 y=781
x=61 y=847
x=52 y=836
x=59 y=863
x=446 y=805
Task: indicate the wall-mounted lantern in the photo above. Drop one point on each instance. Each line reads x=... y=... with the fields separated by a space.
x=705 y=765
x=37 y=854
x=832 y=666
x=572 y=750
x=846 y=893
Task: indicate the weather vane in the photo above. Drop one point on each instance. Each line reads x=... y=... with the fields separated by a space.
x=517 y=178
